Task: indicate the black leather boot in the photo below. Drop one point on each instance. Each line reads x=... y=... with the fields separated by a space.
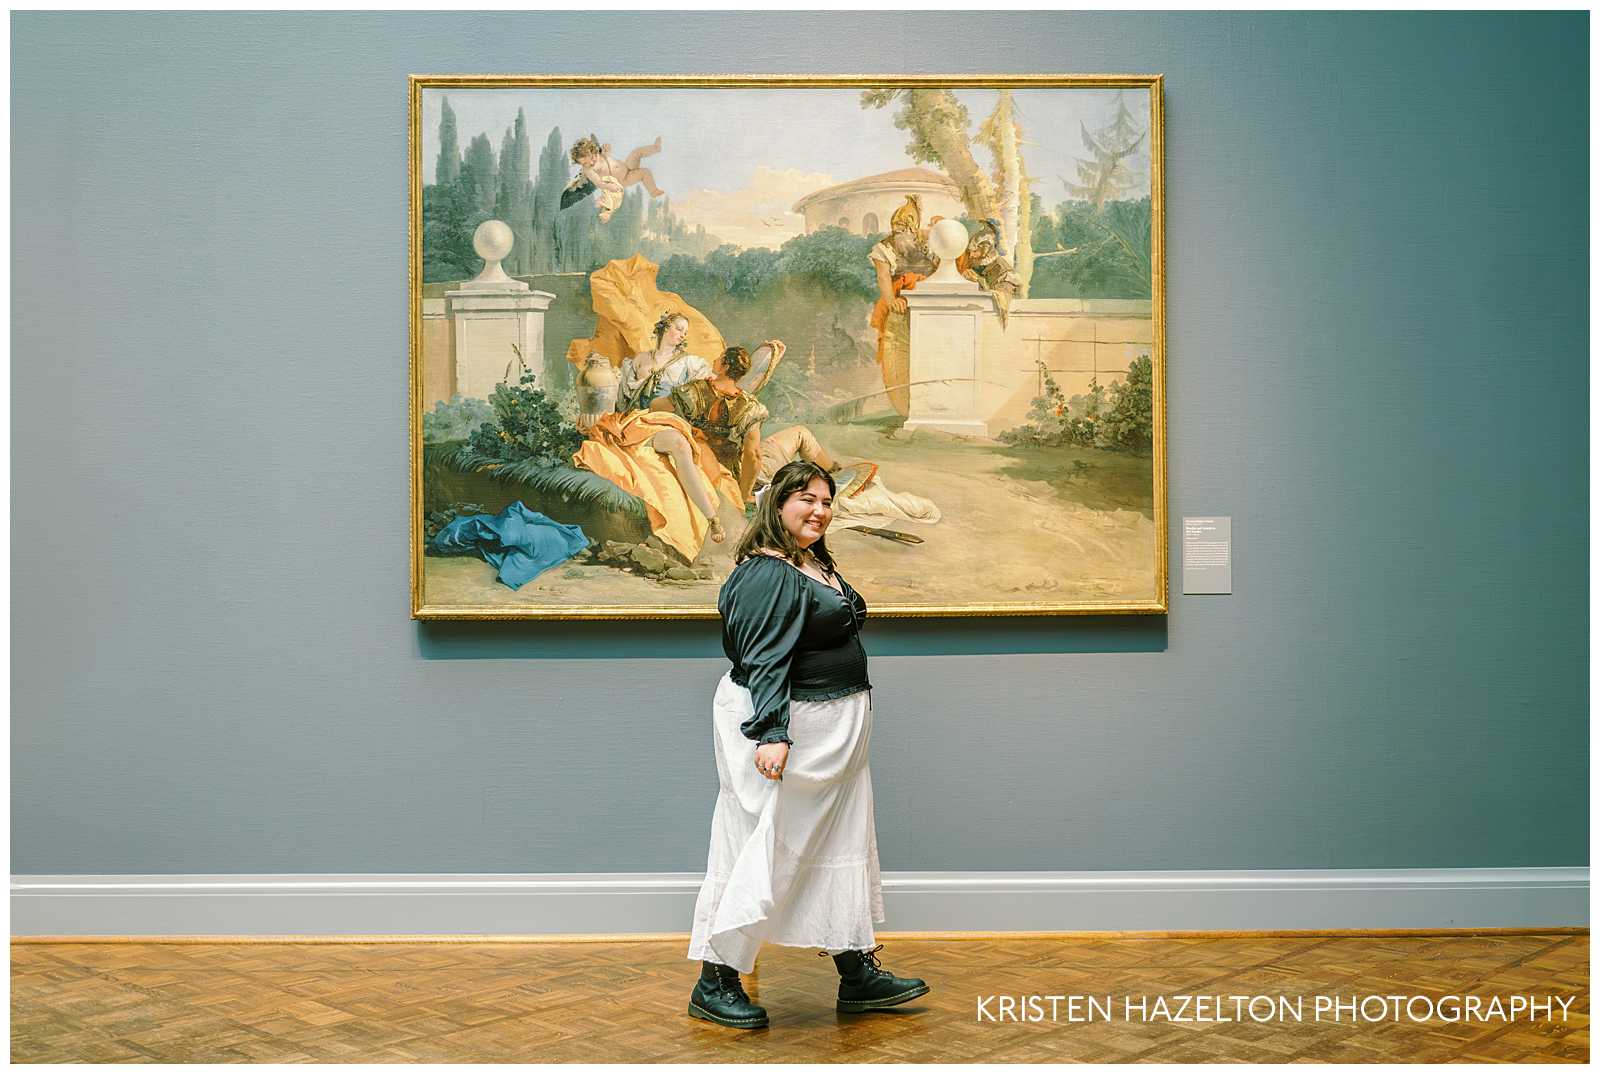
x=719 y=997
x=864 y=985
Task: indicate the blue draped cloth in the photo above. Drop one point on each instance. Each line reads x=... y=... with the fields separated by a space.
x=520 y=544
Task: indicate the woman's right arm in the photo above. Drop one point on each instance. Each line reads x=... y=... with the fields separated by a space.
x=766 y=616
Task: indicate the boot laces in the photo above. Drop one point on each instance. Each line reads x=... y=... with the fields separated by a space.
x=728 y=981
x=869 y=960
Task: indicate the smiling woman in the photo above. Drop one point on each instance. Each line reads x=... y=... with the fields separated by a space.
x=807 y=512
x=794 y=849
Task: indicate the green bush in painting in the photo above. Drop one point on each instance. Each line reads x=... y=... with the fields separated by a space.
x=1127 y=424
x=528 y=428
x=454 y=420
x=526 y=453
x=1048 y=423
x=1114 y=419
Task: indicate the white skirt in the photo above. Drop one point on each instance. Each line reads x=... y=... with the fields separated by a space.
x=792 y=861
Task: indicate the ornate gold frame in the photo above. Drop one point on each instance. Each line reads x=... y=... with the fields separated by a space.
x=1152 y=83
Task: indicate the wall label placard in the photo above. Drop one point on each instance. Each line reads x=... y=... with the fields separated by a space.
x=1208 y=554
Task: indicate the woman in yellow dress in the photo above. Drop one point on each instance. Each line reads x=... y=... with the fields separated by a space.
x=655 y=455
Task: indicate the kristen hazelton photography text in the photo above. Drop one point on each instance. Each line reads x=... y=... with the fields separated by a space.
x=1369 y=1008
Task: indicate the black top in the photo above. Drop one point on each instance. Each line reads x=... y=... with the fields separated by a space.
x=790 y=636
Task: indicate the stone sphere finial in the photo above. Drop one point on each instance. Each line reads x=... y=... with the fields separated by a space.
x=948 y=239
x=493 y=241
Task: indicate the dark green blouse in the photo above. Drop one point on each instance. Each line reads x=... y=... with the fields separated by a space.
x=790 y=636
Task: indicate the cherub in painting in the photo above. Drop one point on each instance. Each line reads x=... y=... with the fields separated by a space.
x=604 y=175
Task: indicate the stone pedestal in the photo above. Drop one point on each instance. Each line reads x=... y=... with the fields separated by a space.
x=946 y=340
x=485 y=323
x=947 y=313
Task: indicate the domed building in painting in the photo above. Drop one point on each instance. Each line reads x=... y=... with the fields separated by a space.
x=862 y=206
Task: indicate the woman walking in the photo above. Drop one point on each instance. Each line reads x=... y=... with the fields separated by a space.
x=794 y=852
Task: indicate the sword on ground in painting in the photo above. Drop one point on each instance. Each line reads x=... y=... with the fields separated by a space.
x=891 y=535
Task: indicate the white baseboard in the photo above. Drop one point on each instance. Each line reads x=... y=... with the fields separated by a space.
x=655 y=903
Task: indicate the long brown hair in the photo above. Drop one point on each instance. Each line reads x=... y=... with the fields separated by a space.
x=766 y=529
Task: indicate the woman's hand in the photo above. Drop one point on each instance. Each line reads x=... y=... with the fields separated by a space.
x=771 y=759
x=900 y=305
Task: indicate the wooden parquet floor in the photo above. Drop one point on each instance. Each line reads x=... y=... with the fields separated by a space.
x=614 y=1000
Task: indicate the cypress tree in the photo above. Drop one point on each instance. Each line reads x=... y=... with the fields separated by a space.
x=547 y=203
x=449 y=163
x=513 y=196
x=478 y=172
x=520 y=214
x=506 y=179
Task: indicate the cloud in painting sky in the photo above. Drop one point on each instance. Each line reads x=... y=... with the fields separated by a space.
x=757 y=214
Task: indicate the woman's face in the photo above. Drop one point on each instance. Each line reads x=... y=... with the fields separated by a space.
x=806 y=514
x=675 y=332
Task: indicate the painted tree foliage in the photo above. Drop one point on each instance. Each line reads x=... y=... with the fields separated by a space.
x=1108 y=172
x=478 y=173
x=938 y=123
x=548 y=239
x=546 y=207
x=1002 y=133
x=514 y=195
x=1085 y=252
x=1097 y=245
x=449 y=163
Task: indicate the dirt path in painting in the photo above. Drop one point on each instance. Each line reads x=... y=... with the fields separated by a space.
x=1002 y=540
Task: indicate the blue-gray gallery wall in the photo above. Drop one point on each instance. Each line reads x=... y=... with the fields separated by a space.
x=1378 y=311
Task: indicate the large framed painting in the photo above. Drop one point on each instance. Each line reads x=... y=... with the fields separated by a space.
x=634 y=298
